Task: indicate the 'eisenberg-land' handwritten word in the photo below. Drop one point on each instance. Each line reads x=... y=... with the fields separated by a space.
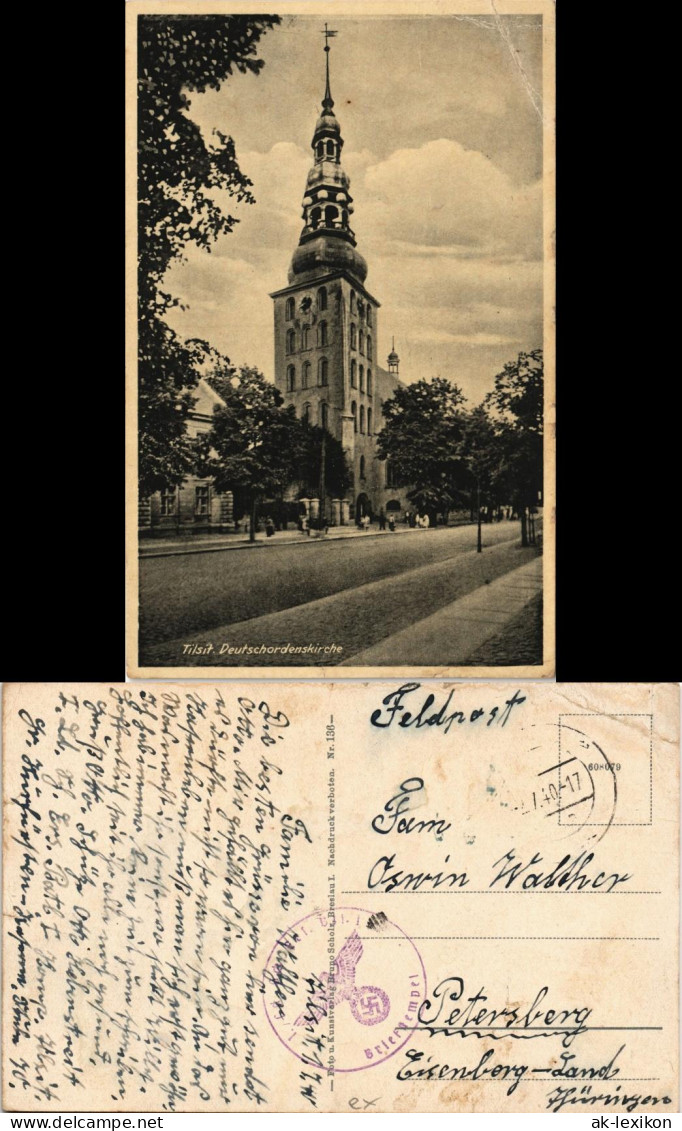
x=426 y=715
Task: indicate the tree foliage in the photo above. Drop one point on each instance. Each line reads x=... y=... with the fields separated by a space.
x=489 y=455
x=252 y=445
x=484 y=455
x=308 y=460
x=179 y=174
x=518 y=394
x=421 y=436
x=517 y=405
x=257 y=448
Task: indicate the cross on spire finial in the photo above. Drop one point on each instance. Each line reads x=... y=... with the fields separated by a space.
x=328 y=101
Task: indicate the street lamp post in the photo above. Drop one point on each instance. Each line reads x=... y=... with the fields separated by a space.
x=479 y=546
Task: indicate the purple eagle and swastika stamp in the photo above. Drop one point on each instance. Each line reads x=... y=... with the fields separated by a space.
x=343 y=989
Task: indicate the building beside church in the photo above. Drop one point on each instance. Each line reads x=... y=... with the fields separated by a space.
x=195 y=507
x=326 y=325
x=327 y=330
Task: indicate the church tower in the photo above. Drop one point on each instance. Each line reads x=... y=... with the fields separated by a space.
x=325 y=319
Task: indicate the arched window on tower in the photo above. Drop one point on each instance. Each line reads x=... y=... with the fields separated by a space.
x=362 y=467
x=324 y=414
x=305 y=377
x=315 y=217
x=331 y=215
x=305 y=412
x=322 y=298
x=368 y=315
x=362 y=418
x=369 y=422
x=322 y=334
x=353 y=336
x=362 y=378
x=322 y=372
x=320 y=149
x=369 y=348
x=291 y=379
x=361 y=341
x=330 y=148
x=289 y=314
x=353 y=373
x=352 y=302
x=354 y=414
x=305 y=334
x=369 y=382
x=291 y=341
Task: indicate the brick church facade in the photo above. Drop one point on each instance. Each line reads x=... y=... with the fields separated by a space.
x=326 y=325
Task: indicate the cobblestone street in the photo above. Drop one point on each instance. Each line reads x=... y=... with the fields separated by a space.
x=352 y=593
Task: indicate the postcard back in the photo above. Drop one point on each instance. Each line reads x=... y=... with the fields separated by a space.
x=304 y=897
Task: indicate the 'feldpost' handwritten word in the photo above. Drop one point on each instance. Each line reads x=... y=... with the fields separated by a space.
x=396 y=711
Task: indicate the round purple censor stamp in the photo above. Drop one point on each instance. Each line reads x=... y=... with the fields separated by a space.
x=343 y=989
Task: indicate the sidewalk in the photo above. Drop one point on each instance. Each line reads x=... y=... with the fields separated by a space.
x=459 y=629
x=196 y=544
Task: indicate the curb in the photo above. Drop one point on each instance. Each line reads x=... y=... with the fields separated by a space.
x=309 y=541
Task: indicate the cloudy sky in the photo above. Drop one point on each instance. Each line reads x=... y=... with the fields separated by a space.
x=441 y=118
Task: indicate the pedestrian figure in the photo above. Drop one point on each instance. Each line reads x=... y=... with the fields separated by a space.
x=305 y=525
x=382 y=519
x=269 y=527
x=365 y=522
x=391 y=523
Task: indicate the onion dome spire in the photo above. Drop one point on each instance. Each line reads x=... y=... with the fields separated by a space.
x=327 y=241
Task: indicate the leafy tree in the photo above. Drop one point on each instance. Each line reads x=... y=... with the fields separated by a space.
x=481 y=451
x=484 y=458
x=309 y=457
x=422 y=434
x=518 y=393
x=517 y=404
x=179 y=174
x=252 y=446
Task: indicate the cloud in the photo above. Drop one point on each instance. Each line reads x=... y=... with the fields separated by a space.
x=441 y=337
x=452 y=246
x=444 y=195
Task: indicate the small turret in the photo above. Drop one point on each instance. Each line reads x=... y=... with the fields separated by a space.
x=393 y=359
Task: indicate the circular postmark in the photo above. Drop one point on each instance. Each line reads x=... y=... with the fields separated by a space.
x=343 y=988
x=567 y=787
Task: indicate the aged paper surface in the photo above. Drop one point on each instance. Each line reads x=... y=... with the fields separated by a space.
x=287 y=897
x=447 y=114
